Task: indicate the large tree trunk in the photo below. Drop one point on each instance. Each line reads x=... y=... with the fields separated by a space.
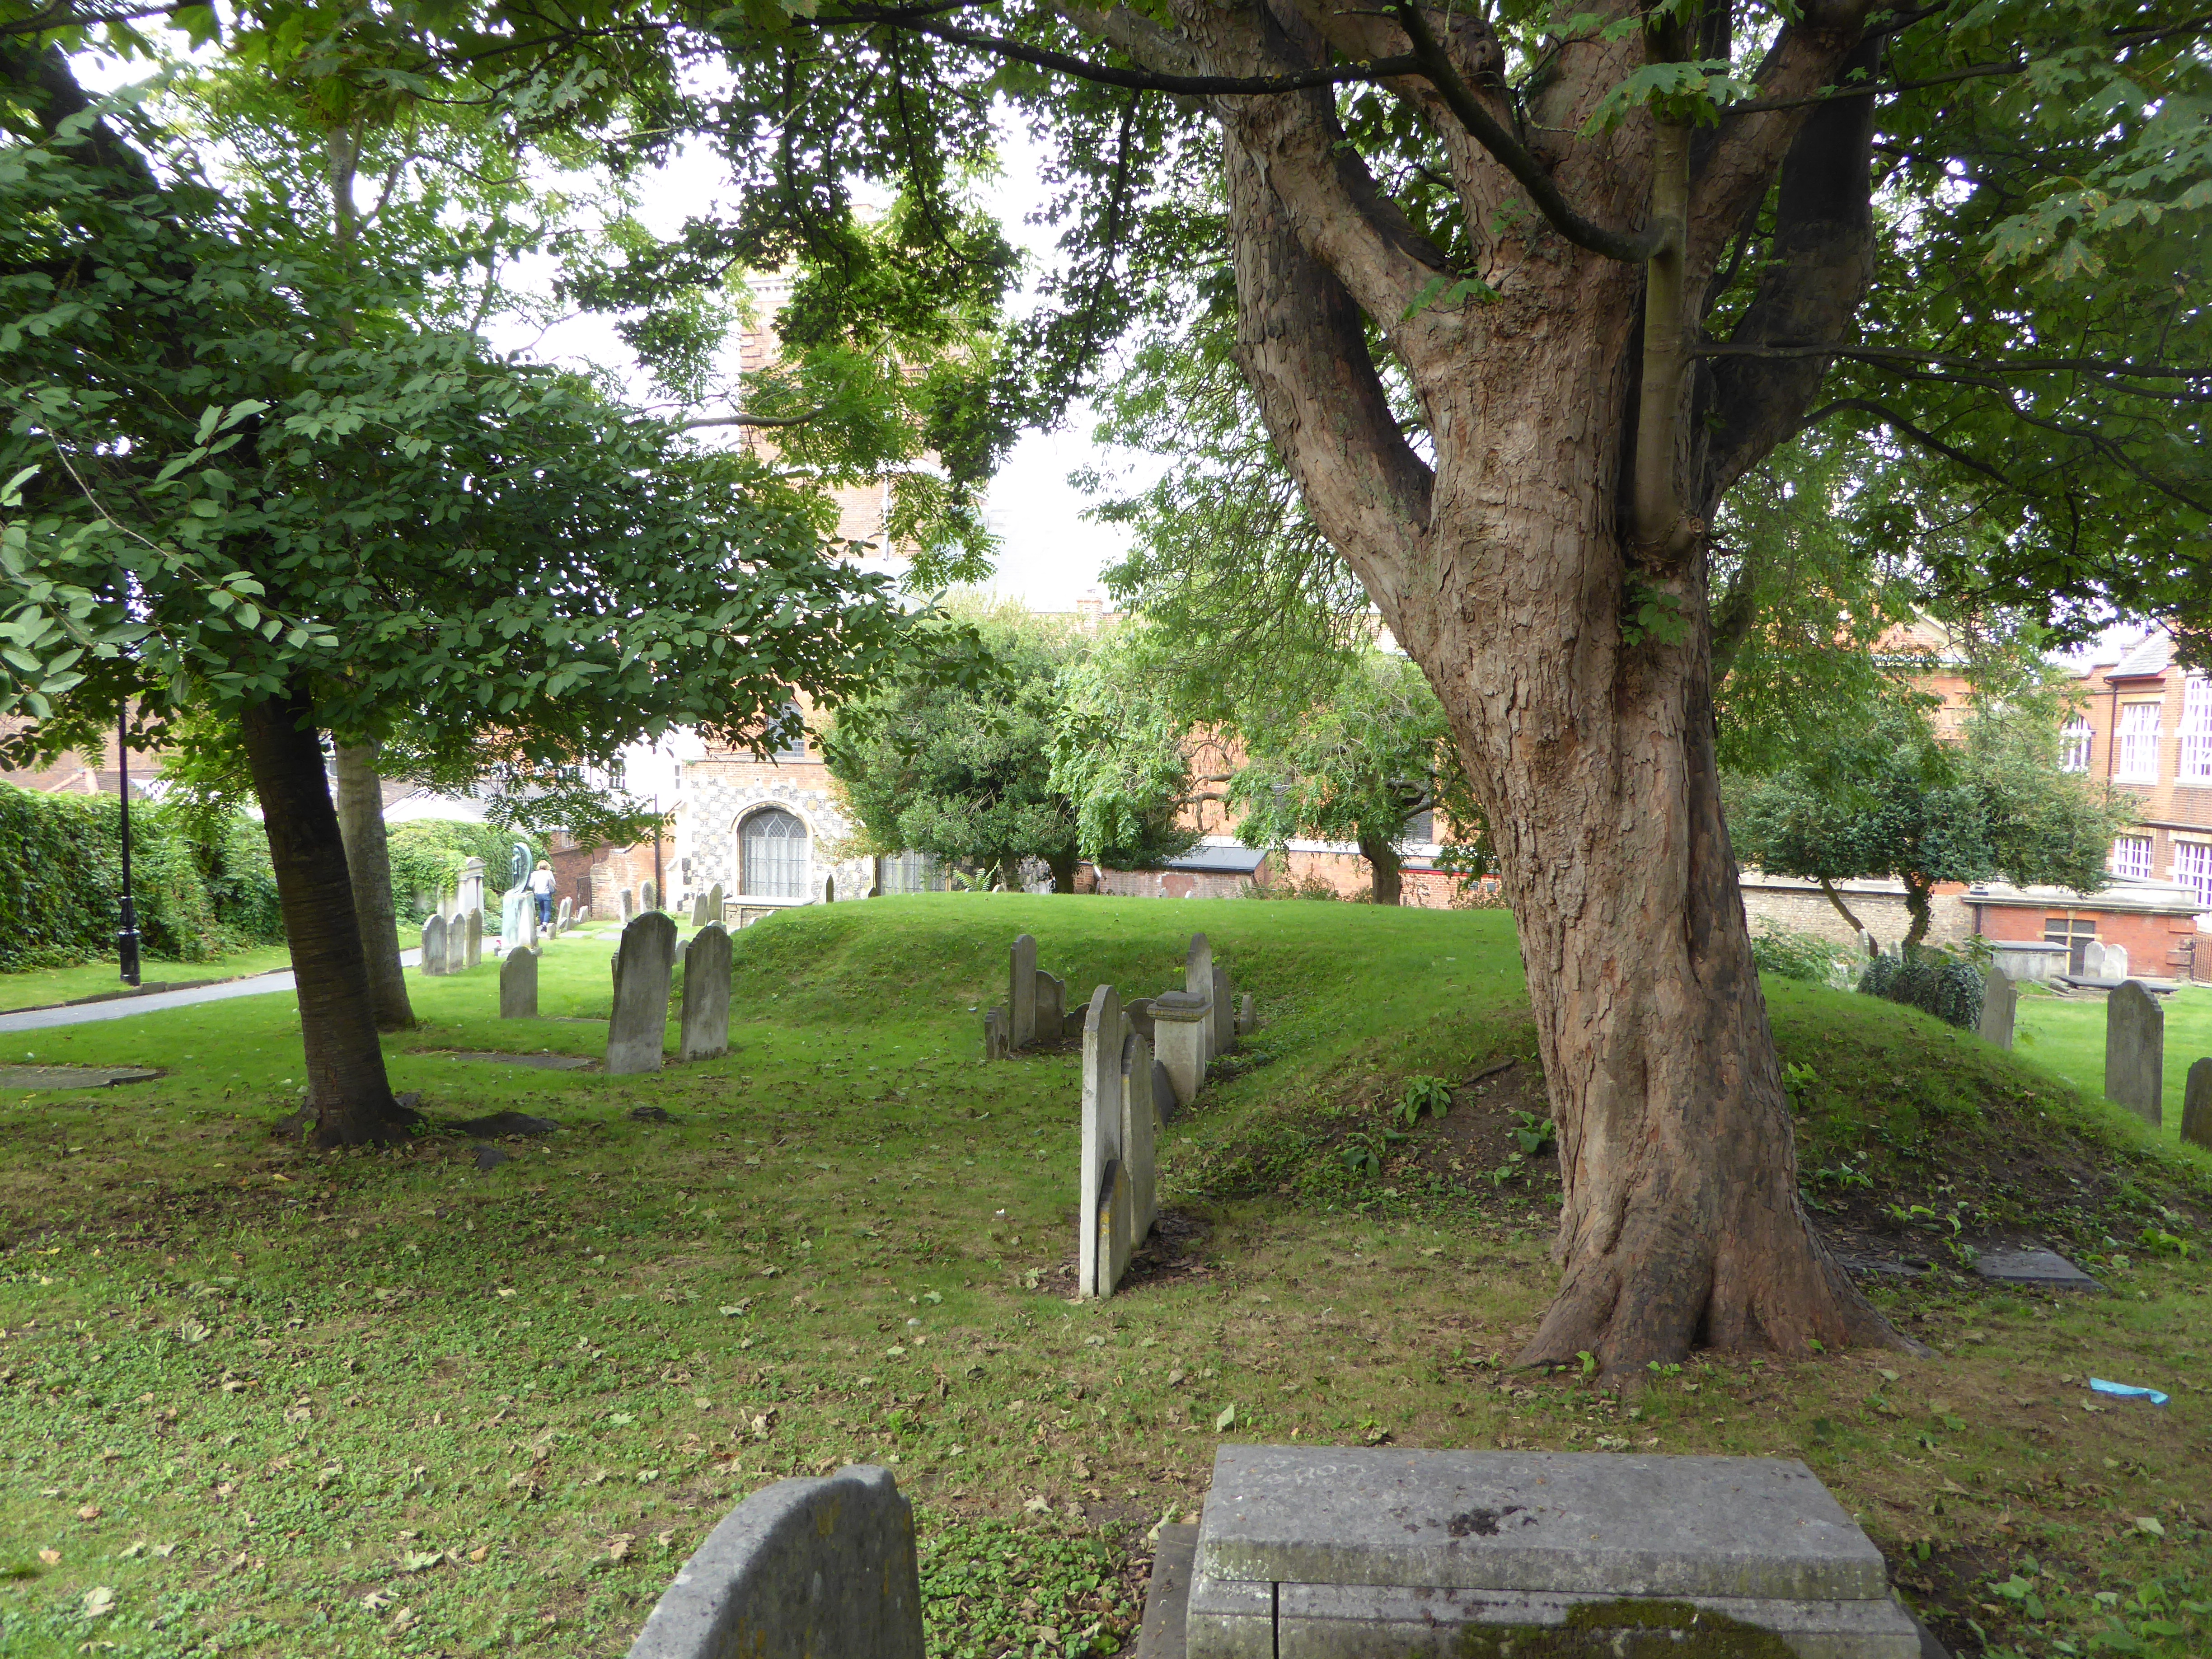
x=368 y=859
x=1383 y=859
x=347 y=1090
x=1545 y=572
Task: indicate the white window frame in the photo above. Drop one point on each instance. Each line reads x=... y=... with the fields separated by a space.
x=2196 y=757
x=2135 y=743
x=802 y=869
x=2192 y=868
x=2078 y=744
x=2125 y=860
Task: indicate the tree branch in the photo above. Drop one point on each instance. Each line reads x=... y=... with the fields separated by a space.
x=2114 y=368
x=749 y=420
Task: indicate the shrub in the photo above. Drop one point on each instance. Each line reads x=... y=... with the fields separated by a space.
x=1933 y=982
x=1788 y=954
x=428 y=853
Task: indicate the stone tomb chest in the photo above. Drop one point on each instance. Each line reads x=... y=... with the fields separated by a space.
x=1348 y=1553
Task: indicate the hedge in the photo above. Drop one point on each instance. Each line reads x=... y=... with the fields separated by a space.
x=428 y=853
x=1935 y=983
x=63 y=855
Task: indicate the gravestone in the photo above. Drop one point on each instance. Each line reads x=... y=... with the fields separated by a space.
x=714 y=902
x=433 y=946
x=2135 y=1050
x=628 y=901
x=1104 y=1217
x=706 y=1024
x=639 y=1022
x=1164 y=1103
x=457 y=943
x=1139 y=1124
x=1375 y=1551
x=681 y=946
x=700 y=913
x=2116 y=962
x=2196 y=1105
x=648 y=895
x=994 y=1035
x=1224 y=1013
x=1999 y=1002
x=801 y=1570
x=1180 y=1022
x=471 y=893
x=528 y=938
x=2092 y=960
x=1247 y=1018
x=472 y=940
x=1051 y=1009
x=564 y=916
x=829 y=890
x=510 y=914
x=1138 y=1011
x=1198 y=980
x=518 y=985
x=2044 y=1270
x=1021 y=992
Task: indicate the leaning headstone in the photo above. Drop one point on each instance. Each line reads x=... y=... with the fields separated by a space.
x=1999 y=1002
x=433 y=946
x=1353 y=1550
x=1021 y=992
x=1104 y=1217
x=518 y=985
x=994 y=1035
x=2135 y=1050
x=801 y=1570
x=706 y=1025
x=1180 y=1021
x=639 y=1022
x=1139 y=1124
x=2196 y=1105
x=472 y=940
x=564 y=916
x=1051 y=1009
x=629 y=903
x=2092 y=960
x=1224 y=1013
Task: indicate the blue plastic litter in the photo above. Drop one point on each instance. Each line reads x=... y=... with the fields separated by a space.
x=2127 y=1391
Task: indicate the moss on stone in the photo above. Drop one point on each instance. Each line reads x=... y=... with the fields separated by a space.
x=1627 y=1629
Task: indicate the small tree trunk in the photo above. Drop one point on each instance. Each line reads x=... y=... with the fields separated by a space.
x=347 y=1088
x=1859 y=928
x=368 y=859
x=1383 y=858
x=1063 y=870
x=1918 y=905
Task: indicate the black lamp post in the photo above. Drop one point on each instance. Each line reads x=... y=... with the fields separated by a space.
x=126 y=937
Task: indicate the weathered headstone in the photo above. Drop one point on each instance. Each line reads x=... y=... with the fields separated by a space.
x=2044 y=1270
x=1224 y=1013
x=1349 y=1550
x=1999 y=1002
x=1139 y=1123
x=1051 y=1009
x=1247 y=1018
x=1180 y=1022
x=2196 y=1105
x=801 y=1570
x=528 y=939
x=471 y=894
x=648 y=895
x=1138 y=1011
x=2135 y=1050
x=829 y=890
x=639 y=1021
x=626 y=905
x=699 y=912
x=510 y=914
x=681 y=946
x=2092 y=959
x=706 y=1024
x=472 y=940
x=457 y=943
x=518 y=985
x=1104 y=1217
x=994 y=1035
x=714 y=902
x=564 y=916
x=433 y=946
x=2115 y=961
x=1198 y=982
x=1021 y=992
x=1164 y=1102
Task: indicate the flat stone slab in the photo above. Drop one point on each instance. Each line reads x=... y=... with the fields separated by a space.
x=2042 y=1269
x=1579 y=1522
x=501 y=1124
x=1167 y=1595
x=74 y=1076
x=537 y=1062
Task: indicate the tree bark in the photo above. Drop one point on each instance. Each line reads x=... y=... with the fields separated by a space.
x=368 y=860
x=1918 y=904
x=347 y=1088
x=1383 y=859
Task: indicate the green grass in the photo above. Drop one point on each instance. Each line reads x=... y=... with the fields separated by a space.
x=42 y=986
x=391 y=1404
x=2068 y=1037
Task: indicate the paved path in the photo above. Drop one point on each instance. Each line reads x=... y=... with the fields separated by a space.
x=34 y=1019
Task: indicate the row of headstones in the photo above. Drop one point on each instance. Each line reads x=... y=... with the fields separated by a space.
x=2134 y=1045
x=1035 y=1010
x=453 y=941
x=1142 y=1062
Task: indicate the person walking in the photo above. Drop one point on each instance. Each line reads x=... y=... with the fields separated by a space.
x=541 y=883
